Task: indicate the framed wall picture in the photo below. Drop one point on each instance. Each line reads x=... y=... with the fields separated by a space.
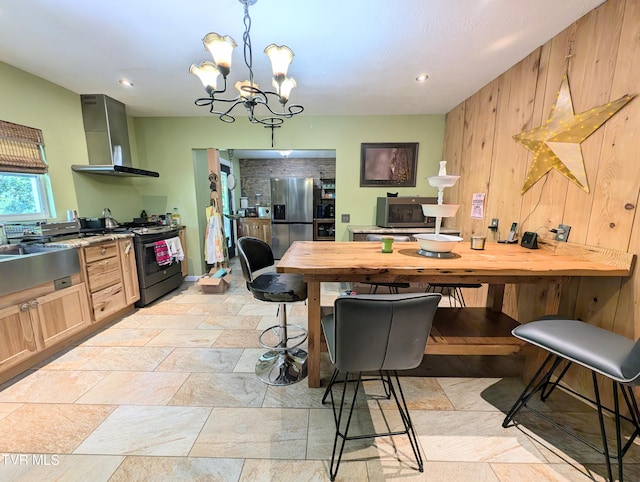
x=388 y=164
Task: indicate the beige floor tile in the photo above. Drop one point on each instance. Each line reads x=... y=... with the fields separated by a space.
x=201 y=360
x=322 y=433
x=136 y=358
x=50 y=386
x=71 y=359
x=472 y=437
x=185 y=338
x=248 y=359
x=267 y=321
x=122 y=337
x=49 y=428
x=501 y=394
x=146 y=430
x=7 y=408
x=134 y=320
x=176 y=469
x=43 y=467
x=216 y=309
x=558 y=447
x=238 y=322
x=380 y=470
x=537 y=473
x=231 y=338
x=298 y=395
x=166 y=308
x=299 y=470
x=263 y=433
x=241 y=297
x=199 y=298
x=260 y=309
x=419 y=393
x=135 y=388
x=173 y=322
x=220 y=390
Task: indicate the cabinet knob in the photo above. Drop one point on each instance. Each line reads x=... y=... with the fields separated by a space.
x=33 y=303
x=127 y=248
x=103 y=251
x=24 y=307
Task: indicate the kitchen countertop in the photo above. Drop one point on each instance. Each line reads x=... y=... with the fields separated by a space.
x=88 y=240
x=379 y=230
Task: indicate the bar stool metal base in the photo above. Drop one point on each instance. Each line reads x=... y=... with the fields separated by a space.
x=282 y=367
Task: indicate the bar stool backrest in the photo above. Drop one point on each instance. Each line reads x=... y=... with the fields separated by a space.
x=254 y=255
x=382 y=332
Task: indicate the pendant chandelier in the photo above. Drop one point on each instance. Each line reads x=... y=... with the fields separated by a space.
x=254 y=99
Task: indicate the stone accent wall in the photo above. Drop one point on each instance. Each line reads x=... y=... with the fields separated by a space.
x=255 y=175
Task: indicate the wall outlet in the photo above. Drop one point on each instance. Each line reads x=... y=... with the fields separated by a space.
x=494 y=224
x=563 y=232
x=345 y=218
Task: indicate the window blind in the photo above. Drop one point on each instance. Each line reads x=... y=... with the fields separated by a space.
x=21 y=149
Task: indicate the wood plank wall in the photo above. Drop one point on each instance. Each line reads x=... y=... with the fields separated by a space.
x=600 y=53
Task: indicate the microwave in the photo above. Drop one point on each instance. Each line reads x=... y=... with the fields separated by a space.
x=404 y=212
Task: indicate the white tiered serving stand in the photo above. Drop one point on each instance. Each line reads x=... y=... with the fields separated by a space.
x=439 y=245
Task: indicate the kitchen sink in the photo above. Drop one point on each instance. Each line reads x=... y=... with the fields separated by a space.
x=25 y=266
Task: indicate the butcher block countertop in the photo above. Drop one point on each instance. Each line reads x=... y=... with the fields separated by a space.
x=497 y=263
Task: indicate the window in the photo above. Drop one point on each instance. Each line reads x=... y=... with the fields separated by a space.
x=24 y=196
x=25 y=192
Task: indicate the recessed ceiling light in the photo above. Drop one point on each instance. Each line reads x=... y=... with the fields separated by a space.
x=422 y=77
x=126 y=83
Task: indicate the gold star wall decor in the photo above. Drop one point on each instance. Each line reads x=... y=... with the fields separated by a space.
x=556 y=144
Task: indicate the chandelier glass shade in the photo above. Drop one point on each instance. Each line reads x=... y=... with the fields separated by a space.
x=255 y=100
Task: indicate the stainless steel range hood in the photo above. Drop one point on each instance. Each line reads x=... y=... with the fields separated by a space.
x=105 y=127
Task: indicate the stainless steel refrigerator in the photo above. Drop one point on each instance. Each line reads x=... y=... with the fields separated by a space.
x=291 y=212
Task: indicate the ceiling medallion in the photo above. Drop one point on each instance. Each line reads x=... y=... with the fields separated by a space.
x=556 y=144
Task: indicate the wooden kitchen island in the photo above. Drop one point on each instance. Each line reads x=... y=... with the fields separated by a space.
x=455 y=331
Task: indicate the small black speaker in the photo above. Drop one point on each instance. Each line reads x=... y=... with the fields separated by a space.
x=529 y=240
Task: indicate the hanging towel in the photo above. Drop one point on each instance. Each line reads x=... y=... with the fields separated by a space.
x=214 y=242
x=175 y=248
x=162 y=253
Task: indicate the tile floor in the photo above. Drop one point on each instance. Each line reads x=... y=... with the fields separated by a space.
x=169 y=393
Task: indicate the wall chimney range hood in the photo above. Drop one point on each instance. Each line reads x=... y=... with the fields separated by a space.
x=105 y=127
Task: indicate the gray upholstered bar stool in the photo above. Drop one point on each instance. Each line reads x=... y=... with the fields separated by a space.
x=283 y=364
x=393 y=287
x=382 y=334
x=600 y=351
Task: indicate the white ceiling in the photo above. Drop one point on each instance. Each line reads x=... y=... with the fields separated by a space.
x=352 y=56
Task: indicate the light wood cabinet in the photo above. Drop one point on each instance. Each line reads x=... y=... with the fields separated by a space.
x=59 y=314
x=17 y=339
x=256 y=227
x=129 y=273
x=34 y=324
x=104 y=277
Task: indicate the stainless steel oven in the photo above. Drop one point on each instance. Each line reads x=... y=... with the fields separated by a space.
x=154 y=280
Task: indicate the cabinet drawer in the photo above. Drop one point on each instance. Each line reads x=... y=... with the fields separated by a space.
x=103 y=273
x=107 y=301
x=100 y=251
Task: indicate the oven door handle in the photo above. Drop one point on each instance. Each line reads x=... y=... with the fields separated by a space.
x=149 y=245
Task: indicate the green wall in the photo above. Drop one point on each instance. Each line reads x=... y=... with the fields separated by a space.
x=165 y=144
